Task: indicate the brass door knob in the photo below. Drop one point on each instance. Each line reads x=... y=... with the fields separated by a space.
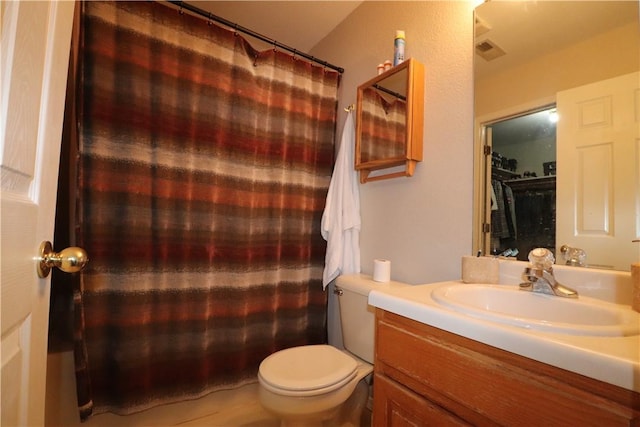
x=69 y=260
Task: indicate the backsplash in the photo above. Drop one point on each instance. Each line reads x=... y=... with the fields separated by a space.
x=607 y=285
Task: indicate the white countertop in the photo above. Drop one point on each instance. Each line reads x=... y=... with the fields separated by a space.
x=614 y=360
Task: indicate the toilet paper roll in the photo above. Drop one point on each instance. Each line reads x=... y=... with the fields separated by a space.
x=635 y=287
x=381 y=270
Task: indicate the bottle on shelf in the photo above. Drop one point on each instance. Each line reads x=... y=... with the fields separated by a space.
x=398 y=47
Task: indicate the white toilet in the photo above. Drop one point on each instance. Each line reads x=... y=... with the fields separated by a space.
x=308 y=384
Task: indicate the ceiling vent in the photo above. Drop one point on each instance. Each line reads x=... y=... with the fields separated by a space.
x=489 y=50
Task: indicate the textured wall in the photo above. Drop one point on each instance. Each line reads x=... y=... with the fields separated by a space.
x=423 y=223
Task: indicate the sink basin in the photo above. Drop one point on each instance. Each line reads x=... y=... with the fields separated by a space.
x=509 y=305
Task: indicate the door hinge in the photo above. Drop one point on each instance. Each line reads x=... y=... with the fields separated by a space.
x=486 y=150
x=486 y=228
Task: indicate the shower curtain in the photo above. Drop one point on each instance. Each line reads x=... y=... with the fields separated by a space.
x=203 y=167
x=383 y=126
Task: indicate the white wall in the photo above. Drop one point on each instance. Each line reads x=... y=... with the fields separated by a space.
x=423 y=223
x=531 y=154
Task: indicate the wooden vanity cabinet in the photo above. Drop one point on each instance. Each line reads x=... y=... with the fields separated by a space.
x=427 y=376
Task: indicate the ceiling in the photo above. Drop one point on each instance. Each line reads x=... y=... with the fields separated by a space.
x=297 y=24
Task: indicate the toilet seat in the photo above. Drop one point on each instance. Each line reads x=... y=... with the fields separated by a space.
x=307 y=370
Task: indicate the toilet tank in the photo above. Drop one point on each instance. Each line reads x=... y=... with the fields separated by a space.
x=357 y=317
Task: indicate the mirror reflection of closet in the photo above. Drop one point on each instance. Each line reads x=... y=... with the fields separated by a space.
x=522 y=202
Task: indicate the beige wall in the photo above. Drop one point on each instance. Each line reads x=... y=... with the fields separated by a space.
x=423 y=223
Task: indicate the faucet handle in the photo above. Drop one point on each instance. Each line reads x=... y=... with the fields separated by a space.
x=573 y=256
x=542 y=258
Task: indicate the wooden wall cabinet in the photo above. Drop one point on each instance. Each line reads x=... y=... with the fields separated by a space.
x=427 y=376
x=389 y=122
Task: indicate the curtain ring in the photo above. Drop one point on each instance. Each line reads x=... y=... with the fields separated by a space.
x=275 y=45
x=255 y=60
x=180 y=11
x=315 y=61
x=210 y=20
x=235 y=29
x=295 y=52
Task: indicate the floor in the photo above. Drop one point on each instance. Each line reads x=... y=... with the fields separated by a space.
x=236 y=408
x=233 y=408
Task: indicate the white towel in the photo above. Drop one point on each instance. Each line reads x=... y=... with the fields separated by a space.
x=341 y=216
x=494 y=200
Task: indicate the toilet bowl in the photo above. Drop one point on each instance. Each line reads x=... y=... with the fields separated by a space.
x=307 y=385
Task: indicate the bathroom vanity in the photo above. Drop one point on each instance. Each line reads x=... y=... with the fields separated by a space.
x=436 y=365
x=427 y=376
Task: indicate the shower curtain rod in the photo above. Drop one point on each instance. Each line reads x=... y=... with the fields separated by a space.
x=390 y=92
x=236 y=27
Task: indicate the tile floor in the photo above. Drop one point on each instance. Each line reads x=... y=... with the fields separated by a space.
x=235 y=408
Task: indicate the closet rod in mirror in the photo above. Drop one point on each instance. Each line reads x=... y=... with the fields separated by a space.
x=210 y=16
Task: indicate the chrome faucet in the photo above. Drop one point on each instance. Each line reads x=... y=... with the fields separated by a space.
x=538 y=277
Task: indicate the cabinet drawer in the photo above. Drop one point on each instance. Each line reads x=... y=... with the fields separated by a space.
x=398 y=406
x=445 y=367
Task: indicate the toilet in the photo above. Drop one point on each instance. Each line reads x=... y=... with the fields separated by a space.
x=306 y=385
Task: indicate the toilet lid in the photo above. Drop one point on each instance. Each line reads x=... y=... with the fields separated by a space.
x=307 y=370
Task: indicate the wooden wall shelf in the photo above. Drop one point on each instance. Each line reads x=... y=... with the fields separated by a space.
x=398 y=91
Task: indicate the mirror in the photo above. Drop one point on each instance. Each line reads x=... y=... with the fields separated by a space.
x=389 y=116
x=527 y=53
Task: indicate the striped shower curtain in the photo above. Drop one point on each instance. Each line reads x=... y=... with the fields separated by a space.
x=203 y=167
x=383 y=126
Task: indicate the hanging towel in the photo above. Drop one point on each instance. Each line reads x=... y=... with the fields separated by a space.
x=341 y=216
x=510 y=206
x=494 y=199
x=499 y=227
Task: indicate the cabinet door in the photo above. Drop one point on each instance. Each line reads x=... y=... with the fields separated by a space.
x=397 y=406
x=483 y=385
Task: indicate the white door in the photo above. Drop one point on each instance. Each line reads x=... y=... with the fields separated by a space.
x=598 y=177
x=35 y=51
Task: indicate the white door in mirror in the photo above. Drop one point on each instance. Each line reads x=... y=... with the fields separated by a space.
x=598 y=183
